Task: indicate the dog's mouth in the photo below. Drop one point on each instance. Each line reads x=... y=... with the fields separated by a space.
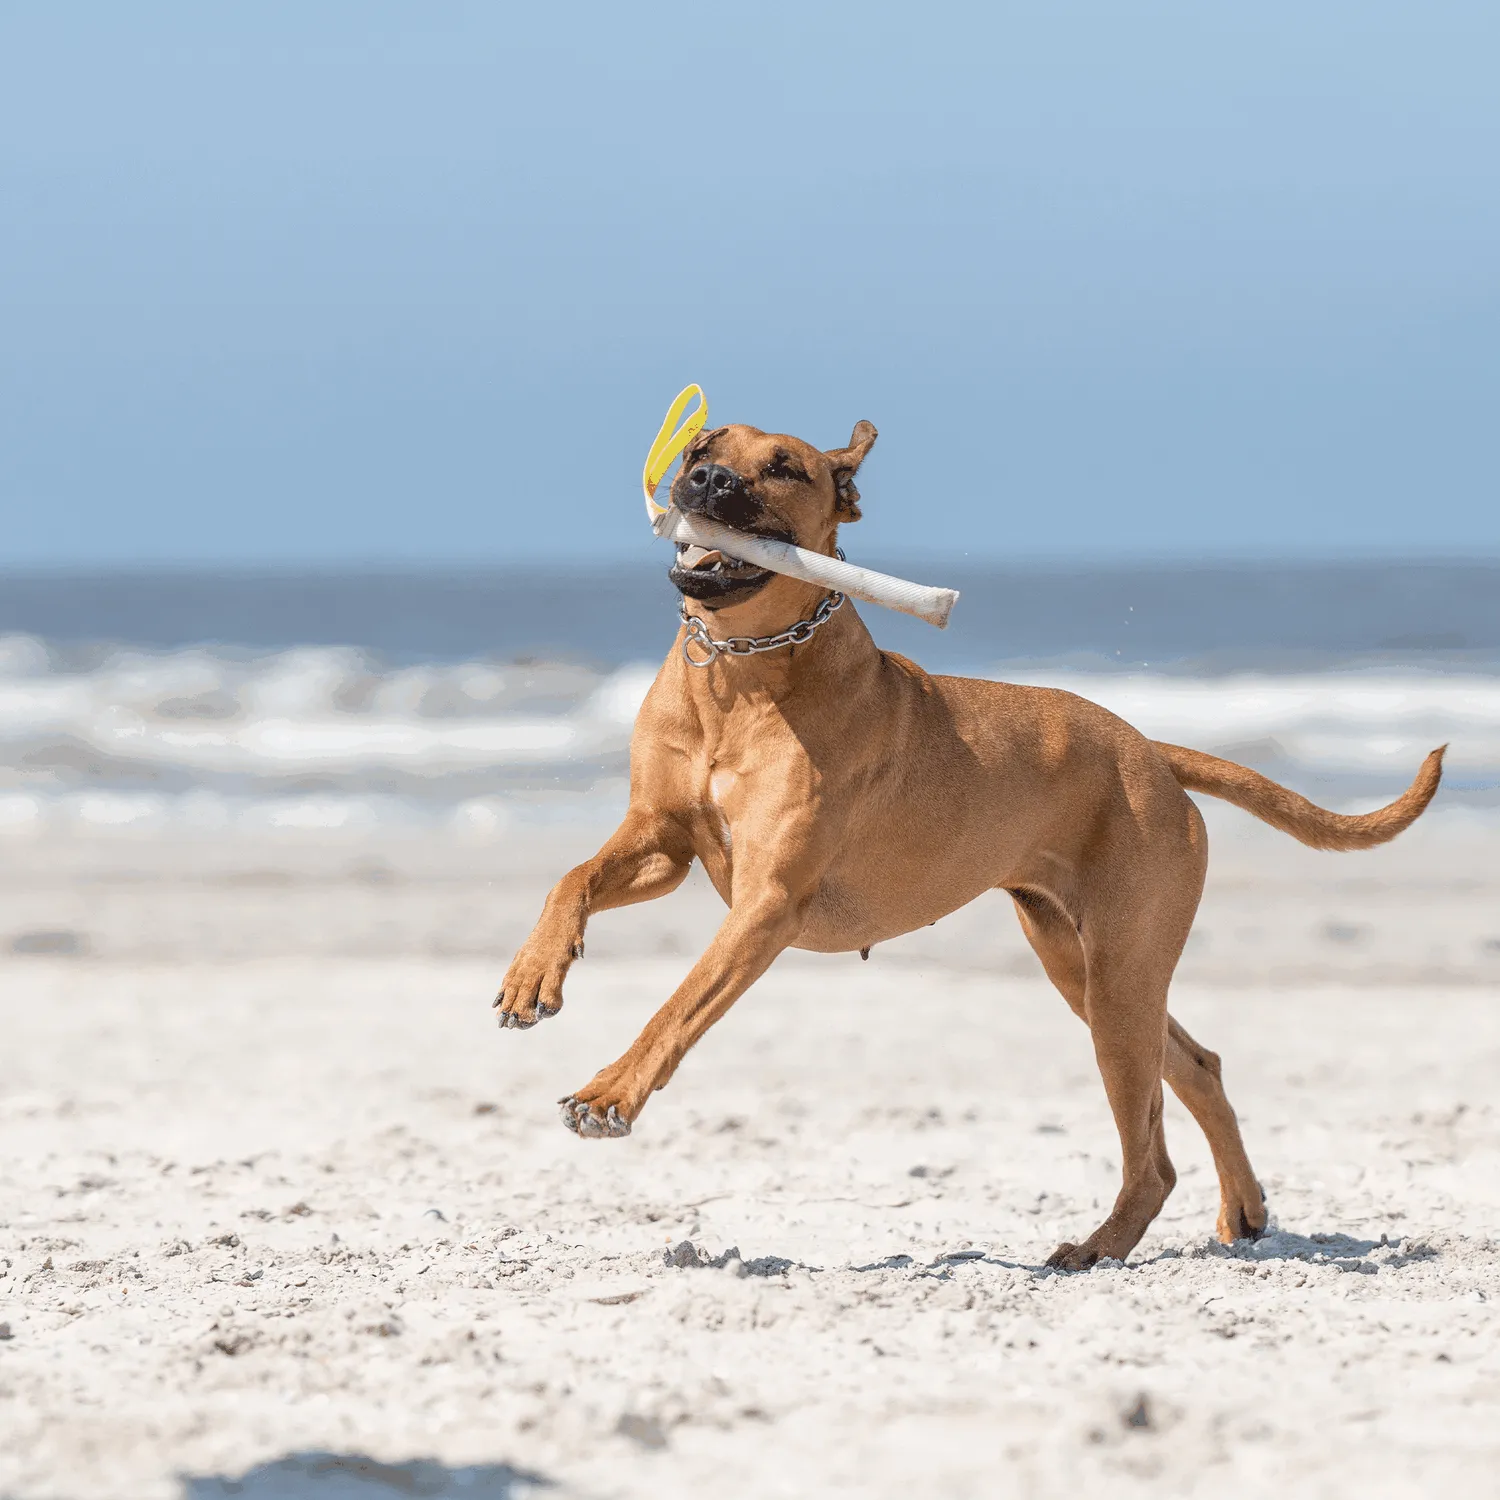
x=715 y=578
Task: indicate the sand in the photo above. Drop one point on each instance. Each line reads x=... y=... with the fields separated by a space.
x=271 y=1182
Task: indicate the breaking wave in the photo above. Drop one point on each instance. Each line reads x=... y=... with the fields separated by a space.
x=315 y=739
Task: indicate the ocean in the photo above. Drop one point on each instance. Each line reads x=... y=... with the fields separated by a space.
x=468 y=701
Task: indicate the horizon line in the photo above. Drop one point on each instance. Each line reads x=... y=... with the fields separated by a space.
x=540 y=567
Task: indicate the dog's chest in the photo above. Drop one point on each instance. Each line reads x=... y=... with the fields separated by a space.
x=720 y=789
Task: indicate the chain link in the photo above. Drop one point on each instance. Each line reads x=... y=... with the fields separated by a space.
x=751 y=645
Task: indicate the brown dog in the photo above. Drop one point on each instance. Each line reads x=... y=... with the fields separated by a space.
x=839 y=796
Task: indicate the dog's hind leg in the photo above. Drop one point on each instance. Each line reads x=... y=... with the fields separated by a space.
x=1127 y=924
x=1056 y=942
x=646 y=857
x=1125 y=1002
x=1193 y=1072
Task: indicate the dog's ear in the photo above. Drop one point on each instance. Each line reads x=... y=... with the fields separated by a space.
x=845 y=463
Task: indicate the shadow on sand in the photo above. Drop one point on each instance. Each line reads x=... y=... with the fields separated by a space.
x=1343 y=1251
x=352 y=1476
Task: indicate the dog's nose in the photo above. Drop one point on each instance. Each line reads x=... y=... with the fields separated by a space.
x=708 y=483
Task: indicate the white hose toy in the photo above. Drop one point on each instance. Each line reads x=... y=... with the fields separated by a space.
x=922 y=600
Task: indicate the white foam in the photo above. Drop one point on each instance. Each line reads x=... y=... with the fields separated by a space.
x=1329 y=722
x=319 y=710
x=618 y=699
x=118 y=809
x=327 y=739
x=23 y=656
x=21 y=813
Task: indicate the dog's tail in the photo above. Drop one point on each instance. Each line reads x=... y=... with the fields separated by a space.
x=1307 y=822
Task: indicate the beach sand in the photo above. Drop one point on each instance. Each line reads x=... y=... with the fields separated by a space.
x=272 y=1182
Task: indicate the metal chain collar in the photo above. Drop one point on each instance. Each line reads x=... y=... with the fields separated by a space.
x=751 y=645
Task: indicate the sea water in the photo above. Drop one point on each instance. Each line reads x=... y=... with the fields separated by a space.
x=470 y=703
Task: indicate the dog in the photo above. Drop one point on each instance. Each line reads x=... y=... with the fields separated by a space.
x=838 y=796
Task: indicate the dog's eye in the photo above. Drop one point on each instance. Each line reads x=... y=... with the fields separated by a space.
x=781 y=467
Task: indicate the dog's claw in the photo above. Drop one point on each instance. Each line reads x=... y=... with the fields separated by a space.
x=578 y=949
x=511 y=1020
x=582 y=1120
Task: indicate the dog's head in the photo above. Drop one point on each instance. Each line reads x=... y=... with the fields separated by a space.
x=771 y=485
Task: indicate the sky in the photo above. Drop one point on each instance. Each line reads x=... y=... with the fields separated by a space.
x=345 y=281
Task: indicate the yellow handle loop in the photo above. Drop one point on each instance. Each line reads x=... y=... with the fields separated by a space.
x=670 y=441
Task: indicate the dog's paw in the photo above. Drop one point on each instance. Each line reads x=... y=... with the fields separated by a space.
x=592 y=1123
x=532 y=988
x=1243 y=1221
x=1070 y=1257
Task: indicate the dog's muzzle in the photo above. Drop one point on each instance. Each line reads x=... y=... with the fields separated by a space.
x=715 y=491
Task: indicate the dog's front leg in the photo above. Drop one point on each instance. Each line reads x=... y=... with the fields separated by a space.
x=762 y=921
x=647 y=856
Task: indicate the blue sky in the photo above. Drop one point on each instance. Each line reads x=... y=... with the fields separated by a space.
x=339 y=282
